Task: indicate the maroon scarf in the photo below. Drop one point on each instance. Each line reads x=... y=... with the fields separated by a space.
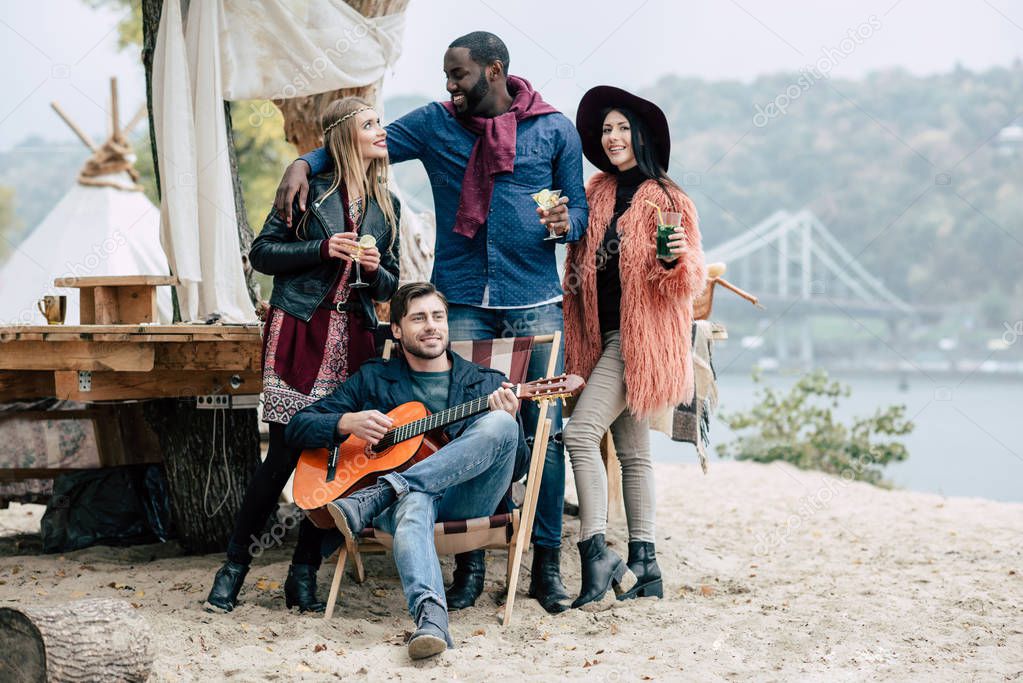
x=493 y=153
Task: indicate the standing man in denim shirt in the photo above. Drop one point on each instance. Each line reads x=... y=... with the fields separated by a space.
x=493 y=144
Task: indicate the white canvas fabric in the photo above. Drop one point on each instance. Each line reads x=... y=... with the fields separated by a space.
x=240 y=49
x=92 y=231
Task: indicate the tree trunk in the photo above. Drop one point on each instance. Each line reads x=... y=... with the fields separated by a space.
x=302 y=114
x=209 y=464
x=245 y=235
x=88 y=640
x=151 y=12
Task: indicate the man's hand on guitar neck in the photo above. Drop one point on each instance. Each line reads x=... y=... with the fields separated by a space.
x=504 y=399
x=368 y=425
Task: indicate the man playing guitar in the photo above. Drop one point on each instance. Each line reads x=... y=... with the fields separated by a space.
x=466 y=478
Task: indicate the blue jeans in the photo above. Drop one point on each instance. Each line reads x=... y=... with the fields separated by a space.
x=472 y=323
x=467 y=478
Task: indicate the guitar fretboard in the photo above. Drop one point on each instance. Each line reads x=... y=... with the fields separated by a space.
x=435 y=421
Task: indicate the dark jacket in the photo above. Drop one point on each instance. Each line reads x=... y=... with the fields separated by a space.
x=302 y=276
x=384 y=385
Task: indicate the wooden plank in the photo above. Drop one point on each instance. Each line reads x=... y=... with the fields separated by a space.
x=132 y=333
x=87 y=306
x=115 y=386
x=137 y=304
x=114 y=281
x=107 y=310
x=17 y=385
x=17 y=474
x=77 y=355
x=209 y=356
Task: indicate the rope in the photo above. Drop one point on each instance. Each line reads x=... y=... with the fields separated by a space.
x=209 y=467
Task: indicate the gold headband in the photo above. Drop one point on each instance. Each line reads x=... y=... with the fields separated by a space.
x=345 y=118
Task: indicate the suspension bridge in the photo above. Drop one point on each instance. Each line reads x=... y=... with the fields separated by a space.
x=800 y=270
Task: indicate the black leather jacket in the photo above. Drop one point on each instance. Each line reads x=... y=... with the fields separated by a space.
x=302 y=279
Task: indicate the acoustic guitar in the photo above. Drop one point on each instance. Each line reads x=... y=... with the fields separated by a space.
x=323 y=475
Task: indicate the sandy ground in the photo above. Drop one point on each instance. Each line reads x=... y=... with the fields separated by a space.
x=771 y=574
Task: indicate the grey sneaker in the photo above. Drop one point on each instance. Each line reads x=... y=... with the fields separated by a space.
x=355 y=512
x=431 y=637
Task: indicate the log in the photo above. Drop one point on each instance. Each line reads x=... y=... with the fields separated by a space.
x=193 y=455
x=88 y=640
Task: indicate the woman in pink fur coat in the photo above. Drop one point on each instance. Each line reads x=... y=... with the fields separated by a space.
x=628 y=327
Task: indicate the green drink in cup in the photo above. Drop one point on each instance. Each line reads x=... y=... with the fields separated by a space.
x=668 y=222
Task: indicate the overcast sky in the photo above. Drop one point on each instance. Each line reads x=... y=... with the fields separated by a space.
x=63 y=50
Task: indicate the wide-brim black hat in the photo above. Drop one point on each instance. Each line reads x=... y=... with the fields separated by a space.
x=589 y=121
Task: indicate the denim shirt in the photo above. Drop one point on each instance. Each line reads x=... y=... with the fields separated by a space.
x=508 y=263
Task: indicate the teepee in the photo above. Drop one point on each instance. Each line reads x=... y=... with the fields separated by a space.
x=104 y=225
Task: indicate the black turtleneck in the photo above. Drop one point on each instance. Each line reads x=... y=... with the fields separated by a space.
x=609 y=283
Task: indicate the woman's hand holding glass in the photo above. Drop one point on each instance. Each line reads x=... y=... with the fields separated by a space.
x=345 y=245
x=677 y=242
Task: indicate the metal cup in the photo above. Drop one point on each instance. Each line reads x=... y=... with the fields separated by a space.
x=54 y=308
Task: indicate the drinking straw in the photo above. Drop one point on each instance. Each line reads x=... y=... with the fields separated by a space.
x=660 y=218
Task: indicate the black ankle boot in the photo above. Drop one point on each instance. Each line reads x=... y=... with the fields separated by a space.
x=545 y=583
x=470 y=570
x=300 y=589
x=603 y=570
x=643 y=563
x=226 y=586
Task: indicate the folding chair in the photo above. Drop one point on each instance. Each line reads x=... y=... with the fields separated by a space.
x=510 y=530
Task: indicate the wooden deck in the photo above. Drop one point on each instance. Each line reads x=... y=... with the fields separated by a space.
x=128 y=362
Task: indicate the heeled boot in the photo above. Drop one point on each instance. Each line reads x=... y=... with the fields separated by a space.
x=470 y=571
x=300 y=589
x=643 y=563
x=226 y=586
x=545 y=581
x=602 y=570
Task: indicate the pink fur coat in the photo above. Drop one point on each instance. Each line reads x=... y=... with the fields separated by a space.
x=657 y=302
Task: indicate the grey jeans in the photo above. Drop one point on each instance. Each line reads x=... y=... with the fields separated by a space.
x=602 y=405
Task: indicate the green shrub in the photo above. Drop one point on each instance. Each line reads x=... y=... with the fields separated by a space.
x=799 y=428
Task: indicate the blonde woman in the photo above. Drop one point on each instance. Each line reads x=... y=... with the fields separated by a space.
x=320 y=326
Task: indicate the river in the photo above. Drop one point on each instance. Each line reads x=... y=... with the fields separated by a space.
x=968 y=439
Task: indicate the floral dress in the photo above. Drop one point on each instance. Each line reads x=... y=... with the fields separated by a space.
x=280 y=400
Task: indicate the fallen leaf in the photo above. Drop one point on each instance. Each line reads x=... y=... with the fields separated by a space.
x=480 y=632
x=599 y=652
x=319 y=648
x=380 y=593
x=706 y=591
x=614 y=629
